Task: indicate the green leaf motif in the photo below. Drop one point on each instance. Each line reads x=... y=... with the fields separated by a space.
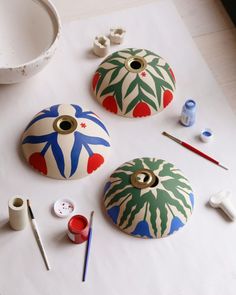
x=145 y=86
x=114 y=75
x=132 y=104
x=116 y=63
x=108 y=90
x=148 y=100
x=131 y=87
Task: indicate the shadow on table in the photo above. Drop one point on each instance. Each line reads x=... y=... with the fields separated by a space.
x=62 y=239
x=4 y=226
x=219 y=212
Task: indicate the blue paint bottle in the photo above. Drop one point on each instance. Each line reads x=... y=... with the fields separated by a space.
x=188 y=114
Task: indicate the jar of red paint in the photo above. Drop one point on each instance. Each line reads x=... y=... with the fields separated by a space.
x=78 y=228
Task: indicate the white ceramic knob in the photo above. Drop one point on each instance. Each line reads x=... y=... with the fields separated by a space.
x=117 y=35
x=223 y=201
x=101 y=46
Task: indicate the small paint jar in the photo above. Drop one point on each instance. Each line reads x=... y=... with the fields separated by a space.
x=78 y=228
x=188 y=114
x=206 y=135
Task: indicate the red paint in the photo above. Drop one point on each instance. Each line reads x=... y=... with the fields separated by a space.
x=110 y=104
x=83 y=125
x=167 y=98
x=95 y=80
x=77 y=224
x=141 y=110
x=78 y=229
x=94 y=161
x=38 y=162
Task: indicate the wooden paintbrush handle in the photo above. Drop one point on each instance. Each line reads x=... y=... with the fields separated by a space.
x=196 y=151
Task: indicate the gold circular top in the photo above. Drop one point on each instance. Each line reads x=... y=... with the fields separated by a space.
x=148 y=180
x=65 y=124
x=135 y=64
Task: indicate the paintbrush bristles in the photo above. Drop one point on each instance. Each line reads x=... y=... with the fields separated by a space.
x=91 y=218
x=30 y=210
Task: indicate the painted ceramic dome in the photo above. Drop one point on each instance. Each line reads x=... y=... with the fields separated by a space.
x=134 y=83
x=66 y=142
x=148 y=198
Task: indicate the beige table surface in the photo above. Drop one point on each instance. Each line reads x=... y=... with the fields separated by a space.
x=208 y=267
x=207 y=21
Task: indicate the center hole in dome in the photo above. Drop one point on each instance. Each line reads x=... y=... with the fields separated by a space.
x=135 y=64
x=147 y=179
x=65 y=125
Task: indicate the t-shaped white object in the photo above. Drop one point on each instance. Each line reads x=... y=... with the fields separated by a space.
x=223 y=201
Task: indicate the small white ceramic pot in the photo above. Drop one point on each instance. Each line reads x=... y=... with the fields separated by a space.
x=66 y=142
x=30 y=30
x=134 y=83
x=148 y=198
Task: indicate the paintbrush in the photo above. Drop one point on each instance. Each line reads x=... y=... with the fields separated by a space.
x=194 y=150
x=37 y=236
x=88 y=247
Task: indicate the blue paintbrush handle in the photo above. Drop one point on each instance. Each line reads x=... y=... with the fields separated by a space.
x=87 y=254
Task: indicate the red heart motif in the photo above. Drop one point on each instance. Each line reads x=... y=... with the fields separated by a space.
x=95 y=80
x=110 y=104
x=167 y=97
x=37 y=161
x=141 y=110
x=94 y=161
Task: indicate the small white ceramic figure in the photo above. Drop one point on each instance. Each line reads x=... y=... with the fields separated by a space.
x=223 y=201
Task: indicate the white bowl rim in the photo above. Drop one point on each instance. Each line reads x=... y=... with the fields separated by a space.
x=56 y=16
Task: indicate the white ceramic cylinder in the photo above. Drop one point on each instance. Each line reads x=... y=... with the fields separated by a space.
x=18 y=216
x=117 y=35
x=101 y=46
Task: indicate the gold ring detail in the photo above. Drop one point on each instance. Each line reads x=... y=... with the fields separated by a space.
x=65 y=124
x=135 y=64
x=149 y=175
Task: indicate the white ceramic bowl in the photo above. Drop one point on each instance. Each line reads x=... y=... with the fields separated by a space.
x=29 y=33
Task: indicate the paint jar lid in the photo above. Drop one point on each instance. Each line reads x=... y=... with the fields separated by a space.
x=134 y=83
x=77 y=224
x=206 y=135
x=148 y=198
x=190 y=104
x=66 y=142
x=64 y=207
